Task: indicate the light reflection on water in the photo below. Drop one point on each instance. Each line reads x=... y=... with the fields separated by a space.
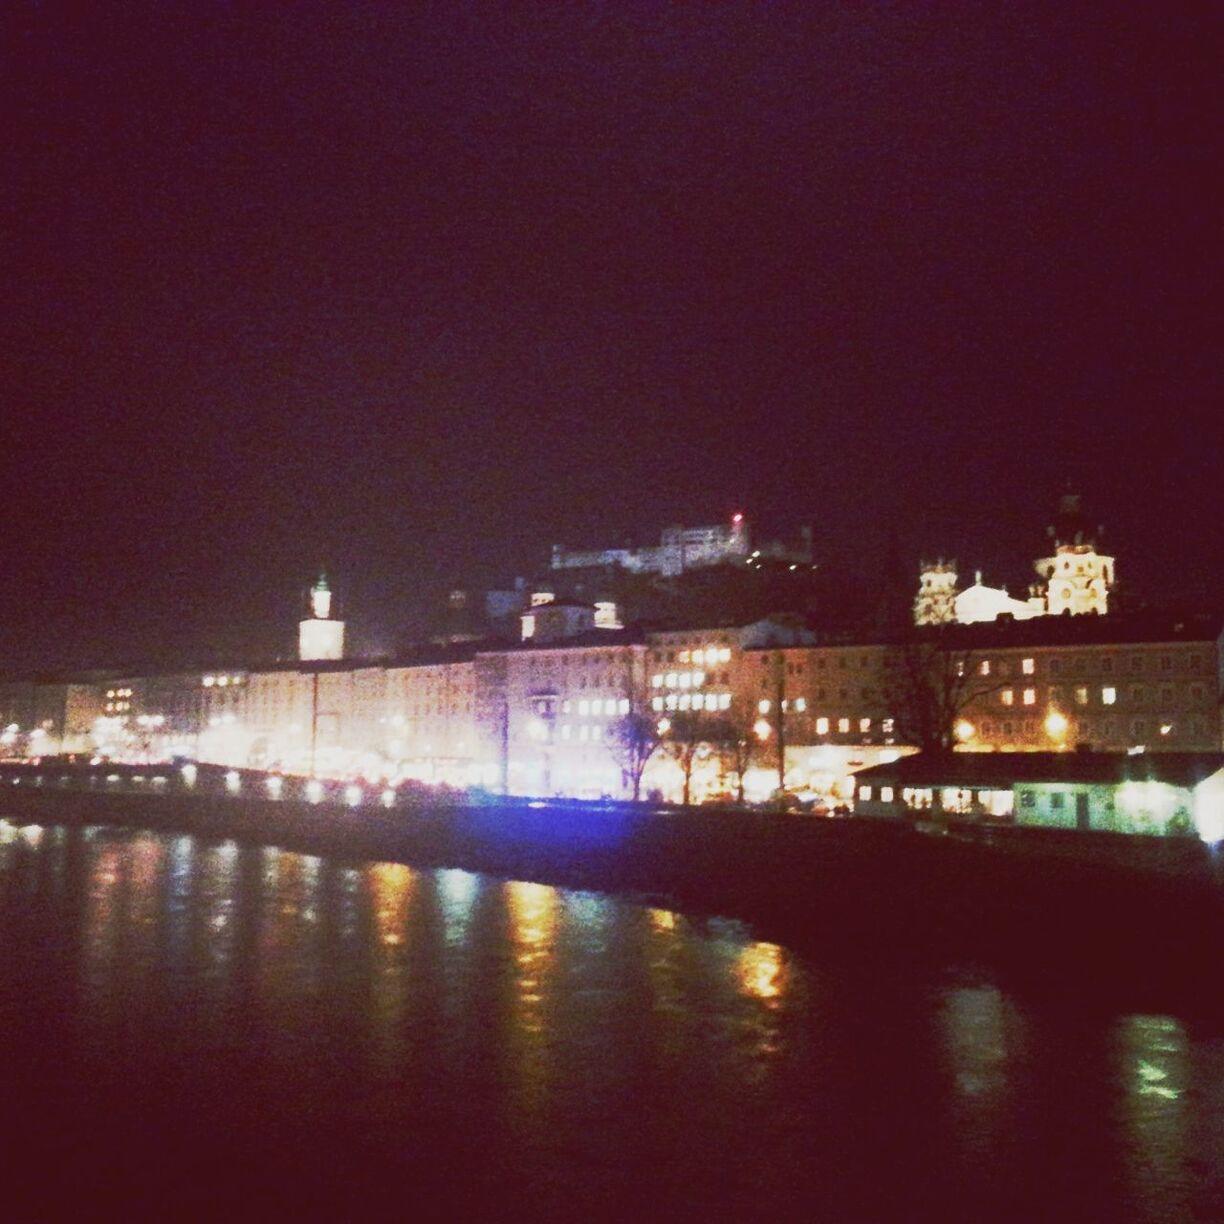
x=582 y=1039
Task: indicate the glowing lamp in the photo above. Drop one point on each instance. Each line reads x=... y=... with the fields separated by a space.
x=965 y=730
x=762 y=729
x=1056 y=724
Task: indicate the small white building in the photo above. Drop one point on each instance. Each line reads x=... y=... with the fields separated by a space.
x=1149 y=793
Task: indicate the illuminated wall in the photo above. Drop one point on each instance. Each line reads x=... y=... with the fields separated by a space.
x=320 y=639
x=1128 y=807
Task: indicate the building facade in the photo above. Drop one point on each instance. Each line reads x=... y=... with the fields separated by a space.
x=541 y=716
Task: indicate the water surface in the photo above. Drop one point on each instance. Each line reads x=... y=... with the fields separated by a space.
x=198 y=1026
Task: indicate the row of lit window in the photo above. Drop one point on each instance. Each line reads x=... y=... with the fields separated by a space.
x=864 y=793
x=845 y=725
x=680 y=680
x=1028 y=697
x=123 y=692
x=692 y=701
x=1105 y=729
x=587 y=733
x=599 y=705
x=118 y=707
x=711 y=654
x=799 y=705
x=221 y=681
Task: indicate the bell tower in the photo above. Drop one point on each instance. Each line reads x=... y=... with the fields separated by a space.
x=936 y=600
x=1078 y=578
x=319 y=636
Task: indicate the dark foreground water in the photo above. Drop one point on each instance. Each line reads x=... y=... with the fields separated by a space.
x=197 y=1029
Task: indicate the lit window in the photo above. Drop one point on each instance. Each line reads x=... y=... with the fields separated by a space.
x=763 y=705
x=671 y=680
x=724 y=701
x=623 y=705
x=1081 y=696
x=887 y=726
x=656 y=681
x=686 y=680
x=698 y=701
x=670 y=703
x=698 y=656
x=864 y=792
x=597 y=731
x=1007 y=697
x=686 y=701
x=1030 y=696
x=822 y=726
x=584 y=733
x=800 y=704
x=656 y=703
x=565 y=731
x=724 y=654
x=1028 y=666
x=864 y=725
x=584 y=708
x=886 y=794
x=984 y=667
x=222 y=681
x=843 y=725
x=698 y=679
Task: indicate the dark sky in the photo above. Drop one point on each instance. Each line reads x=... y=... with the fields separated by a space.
x=416 y=290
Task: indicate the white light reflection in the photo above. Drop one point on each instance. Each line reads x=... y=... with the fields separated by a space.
x=1154 y=1055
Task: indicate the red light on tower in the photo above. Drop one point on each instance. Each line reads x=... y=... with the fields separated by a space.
x=737 y=518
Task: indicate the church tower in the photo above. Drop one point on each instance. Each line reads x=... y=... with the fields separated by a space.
x=319 y=636
x=936 y=601
x=1078 y=578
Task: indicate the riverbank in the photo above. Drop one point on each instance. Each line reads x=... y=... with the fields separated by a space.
x=1146 y=917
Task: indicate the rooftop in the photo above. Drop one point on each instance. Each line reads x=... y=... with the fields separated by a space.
x=1000 y=770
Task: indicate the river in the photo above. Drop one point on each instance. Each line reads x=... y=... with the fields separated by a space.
x=203 y=1029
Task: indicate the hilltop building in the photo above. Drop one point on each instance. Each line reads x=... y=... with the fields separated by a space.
x=685 y=548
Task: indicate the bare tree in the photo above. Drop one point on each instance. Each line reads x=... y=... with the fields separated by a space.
x=936 y=678
x=737 y=743
x=632 y=739
x=768 y=716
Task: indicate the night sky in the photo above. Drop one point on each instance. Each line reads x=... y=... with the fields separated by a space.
x=412 y=291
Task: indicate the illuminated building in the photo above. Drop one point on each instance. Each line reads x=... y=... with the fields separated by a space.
x=684 y=548
x=982 y=603
x=550 y=619
x=539 y=716
x=1077 y=580
x=935 y=603
x=1156 y=793
x=320 y=636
